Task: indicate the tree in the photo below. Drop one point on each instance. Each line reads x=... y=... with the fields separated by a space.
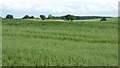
x=103 y=19
x=9 y=16
x=32 y=17
x=70 y=17
x=50 y=16
x=26 y=17
x=42 y=17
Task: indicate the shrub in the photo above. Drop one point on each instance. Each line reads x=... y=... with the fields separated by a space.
x=9 y=16
x=32 y=17
x=103 y=19
x=50 y=16
x=42 y=17
x=26 y=17
x=70 y=17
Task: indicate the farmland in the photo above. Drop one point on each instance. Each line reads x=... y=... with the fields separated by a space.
x=59 y=43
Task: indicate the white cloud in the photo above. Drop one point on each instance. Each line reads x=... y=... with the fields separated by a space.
x=58 y=7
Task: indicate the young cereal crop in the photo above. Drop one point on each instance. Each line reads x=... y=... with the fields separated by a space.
x=60 y=43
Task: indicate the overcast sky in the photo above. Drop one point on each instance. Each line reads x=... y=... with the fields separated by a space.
x=19 y=8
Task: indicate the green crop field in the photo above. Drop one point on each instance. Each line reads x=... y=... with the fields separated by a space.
x=59 y=43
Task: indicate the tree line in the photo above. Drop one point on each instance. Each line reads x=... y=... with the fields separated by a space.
x=68 y=17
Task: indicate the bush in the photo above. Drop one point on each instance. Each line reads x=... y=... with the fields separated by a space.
x=50 y=16
x=42 y=17
x=9 y=16
x=70 y=17
x=26 y=17
x=103 y=19
x=32 y=17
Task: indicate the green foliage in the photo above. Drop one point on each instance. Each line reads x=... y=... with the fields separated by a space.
x=103 y=19
x=50 y=16
x=26 y=17
x=77 y=17
x=59 y=43
x=70 y=17
x=9 y=16
x=32 y=17
x=42 y=17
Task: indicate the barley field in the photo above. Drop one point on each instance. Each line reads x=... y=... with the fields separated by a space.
x=59 y=43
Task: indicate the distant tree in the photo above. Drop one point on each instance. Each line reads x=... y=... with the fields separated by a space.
x=50 y=16
x=32 y=17
x=69 y=17
x=26 y=17
x=103 y=19
x=42 y=17
x=9 y=16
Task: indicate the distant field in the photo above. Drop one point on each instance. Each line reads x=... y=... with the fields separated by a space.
x=60 y=43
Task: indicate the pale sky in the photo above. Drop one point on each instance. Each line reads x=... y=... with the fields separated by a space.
x=19 y=8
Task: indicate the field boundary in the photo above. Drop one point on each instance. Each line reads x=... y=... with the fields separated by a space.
x=118 y=33
x=0 y=42
x=60 y=67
